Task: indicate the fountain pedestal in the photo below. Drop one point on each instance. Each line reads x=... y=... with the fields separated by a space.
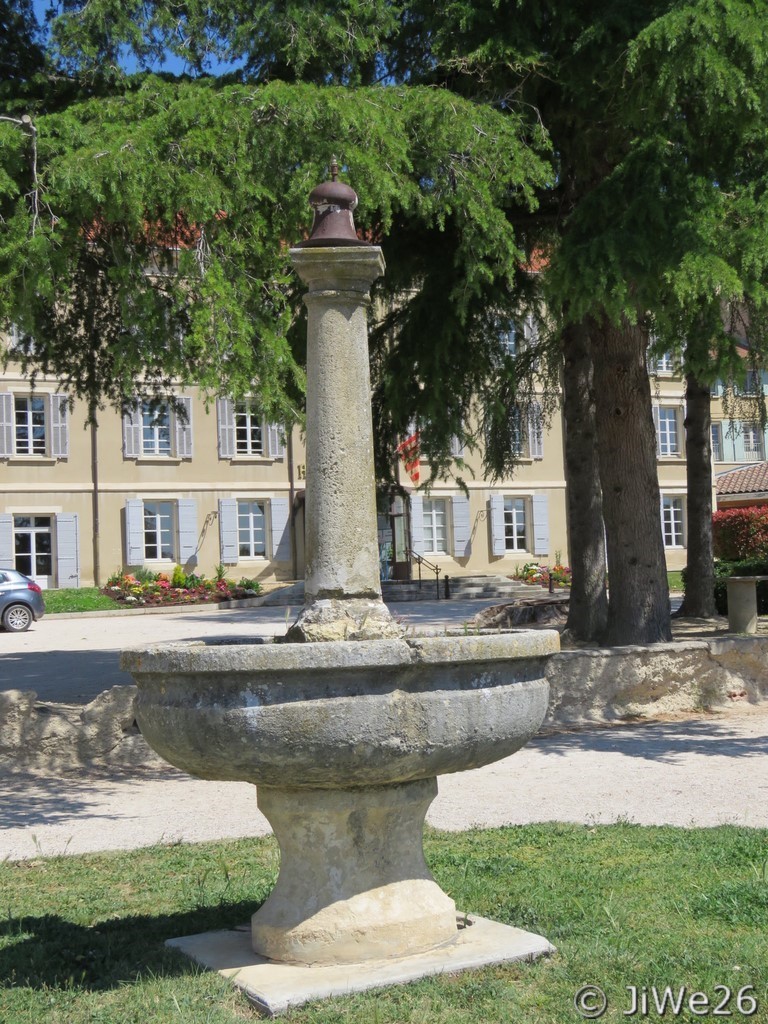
x=353 y=882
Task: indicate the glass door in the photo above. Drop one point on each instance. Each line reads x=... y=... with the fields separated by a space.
x=33 y=547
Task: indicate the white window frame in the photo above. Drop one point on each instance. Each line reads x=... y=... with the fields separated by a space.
x=35 y=530
x=753 y=451
x=432 y=528
x=25 y=420
x=515 y=530
x=157 y=429
x=164 y=522
x=665 y=363
x=668 y=440
x=673 y=520
x=509 y=337
x=251 y=530
x=252 y=420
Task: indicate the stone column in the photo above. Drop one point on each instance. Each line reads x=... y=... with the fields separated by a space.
x=342 y=588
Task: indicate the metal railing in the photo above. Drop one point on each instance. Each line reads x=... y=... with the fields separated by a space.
x=421 y=560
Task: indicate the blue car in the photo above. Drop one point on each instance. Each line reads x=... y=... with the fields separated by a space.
x=21 y=601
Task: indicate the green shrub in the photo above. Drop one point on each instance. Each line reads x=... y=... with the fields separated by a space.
x=251 y=585
x=751 y=567
x=179 y=577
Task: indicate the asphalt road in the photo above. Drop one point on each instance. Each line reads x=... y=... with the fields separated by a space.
x=71 y=659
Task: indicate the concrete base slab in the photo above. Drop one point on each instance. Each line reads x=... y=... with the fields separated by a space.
x=274 y=987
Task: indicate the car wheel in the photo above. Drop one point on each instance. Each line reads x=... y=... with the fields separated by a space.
x=17 y=618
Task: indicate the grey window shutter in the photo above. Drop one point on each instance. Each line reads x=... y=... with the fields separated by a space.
x=276 y=447
x=228 y=530
x=496 y=519
x=462 y=527
x=7 y=560
x=729 y=445
x=281 y=534
x=540 y=504
x=535 y=432
x=186 y=512
x=134 y=531
x=67 y=551
x=457 y=447
x=738 y=442
x=6 y=426
x=132 y=439
x=184 y=428
x=417 y=524
x=59 y=420
x=225 y=415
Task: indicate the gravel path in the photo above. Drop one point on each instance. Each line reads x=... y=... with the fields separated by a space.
x=704 y=771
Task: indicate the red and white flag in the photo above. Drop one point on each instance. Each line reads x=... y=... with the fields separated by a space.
x=408 y=450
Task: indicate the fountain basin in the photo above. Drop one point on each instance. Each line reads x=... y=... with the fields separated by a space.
x=341 y=714
x=344 y=741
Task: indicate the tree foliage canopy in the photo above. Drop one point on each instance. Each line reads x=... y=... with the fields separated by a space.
x=217 y=176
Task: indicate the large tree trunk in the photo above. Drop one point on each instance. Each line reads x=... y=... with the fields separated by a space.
x=588 y=609
x=700 y=574
x=638 y=609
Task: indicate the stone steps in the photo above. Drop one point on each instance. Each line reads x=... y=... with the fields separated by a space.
x=462 y=588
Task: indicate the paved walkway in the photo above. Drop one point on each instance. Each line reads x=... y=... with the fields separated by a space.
x=72 y=659
x=706 y=771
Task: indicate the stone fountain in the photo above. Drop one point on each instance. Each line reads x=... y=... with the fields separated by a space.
x=345 y=729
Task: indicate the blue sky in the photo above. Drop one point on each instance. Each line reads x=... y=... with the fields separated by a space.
x=171 y=64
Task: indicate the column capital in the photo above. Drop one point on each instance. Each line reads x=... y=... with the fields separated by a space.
x=339 y=268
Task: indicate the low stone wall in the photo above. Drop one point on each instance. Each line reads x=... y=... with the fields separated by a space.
x=60 y=737
x=599 y=685
x=595 y=685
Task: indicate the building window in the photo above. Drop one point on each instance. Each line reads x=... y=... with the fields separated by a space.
x=435 y=527
x=158 y=428
x=665 y=363
x=158 y=530
x=667 y=432
x=249 y=439
x=251 y=529
x=155 y=429
x=508 y=336
x=672 y=522
x=514 y=524
x=717 y=442
x=753 y=442
x=33 y=545
x=29 y=418
x=751 y=384
x=518 y=435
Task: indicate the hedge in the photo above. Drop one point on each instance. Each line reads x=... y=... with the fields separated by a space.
x=740 y=534
x=751 y=567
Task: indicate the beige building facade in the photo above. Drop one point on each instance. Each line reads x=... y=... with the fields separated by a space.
x=198 y=484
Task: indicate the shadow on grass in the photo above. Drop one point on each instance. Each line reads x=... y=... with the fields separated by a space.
x=664 y=742
x=51 y=952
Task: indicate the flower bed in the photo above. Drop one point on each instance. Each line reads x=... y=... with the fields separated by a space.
x=540 y=575
x=146 y=588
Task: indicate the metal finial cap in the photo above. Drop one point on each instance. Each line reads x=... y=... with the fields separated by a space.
x=333 y=203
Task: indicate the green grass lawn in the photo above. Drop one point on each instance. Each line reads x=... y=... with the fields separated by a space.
x=77 y=599
x=81 y=938
x=675 y=579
